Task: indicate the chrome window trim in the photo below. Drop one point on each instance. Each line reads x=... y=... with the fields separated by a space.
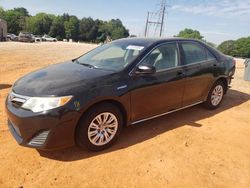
x=168 y=69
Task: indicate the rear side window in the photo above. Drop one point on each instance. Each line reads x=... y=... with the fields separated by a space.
x=210 y=56
x=193 y=53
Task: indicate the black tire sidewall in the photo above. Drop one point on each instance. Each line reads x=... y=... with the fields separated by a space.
x=82 y=139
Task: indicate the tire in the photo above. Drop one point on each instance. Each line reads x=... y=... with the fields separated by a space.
x=92 y=135
x=215 y=96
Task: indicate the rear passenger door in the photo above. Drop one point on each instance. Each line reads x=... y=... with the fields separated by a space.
x=198 y=67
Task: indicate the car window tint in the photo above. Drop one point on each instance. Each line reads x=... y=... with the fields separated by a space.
x=112 y=52
x=193 y=53
x=210 y=56
x=113 y=56
x=131 y=54
x=164 y=57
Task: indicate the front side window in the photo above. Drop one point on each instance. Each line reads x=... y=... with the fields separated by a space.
x=193 y=53
x=113 y=56
x=163 y=57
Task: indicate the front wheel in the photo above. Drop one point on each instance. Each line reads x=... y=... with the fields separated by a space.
x=99 y=128
x=215 y=96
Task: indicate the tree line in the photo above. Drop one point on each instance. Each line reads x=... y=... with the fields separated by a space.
x=63 y=26
x=89 y=30
x=235 y=48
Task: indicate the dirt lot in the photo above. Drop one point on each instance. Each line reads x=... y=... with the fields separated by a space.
x=190 y=148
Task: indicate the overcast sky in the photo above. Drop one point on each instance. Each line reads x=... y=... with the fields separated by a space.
x=217 y=20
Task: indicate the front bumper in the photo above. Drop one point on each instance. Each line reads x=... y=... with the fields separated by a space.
x=49 y=130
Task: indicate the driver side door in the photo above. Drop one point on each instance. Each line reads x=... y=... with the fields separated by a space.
x=155 y=94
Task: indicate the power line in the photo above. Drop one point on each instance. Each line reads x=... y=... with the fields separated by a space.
x=159 y=24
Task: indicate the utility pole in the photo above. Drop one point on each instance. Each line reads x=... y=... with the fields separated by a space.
x=161 y=19
x=146 y=29
x=163 y=16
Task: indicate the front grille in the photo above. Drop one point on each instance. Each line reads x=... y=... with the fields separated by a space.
x=39 y=139
x=17 y=100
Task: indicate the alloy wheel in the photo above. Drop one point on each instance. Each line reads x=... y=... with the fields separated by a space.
x=217 y=95
x=102 y=129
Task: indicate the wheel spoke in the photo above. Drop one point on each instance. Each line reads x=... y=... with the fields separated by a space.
x=217 y=95
x=99 y=119
x=102 y=129
x=110 y=120
x=101 y=139
x=94 y=126
x=106 y=135
x=93 y=133
x=112 y=125
x=105 y=117
x=110 y=131
x=96 y=138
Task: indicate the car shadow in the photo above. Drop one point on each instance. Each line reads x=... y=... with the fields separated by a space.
x=135 y=134
x=5 y=86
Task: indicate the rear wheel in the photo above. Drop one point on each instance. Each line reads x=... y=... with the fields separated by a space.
x=215 y=95
x=99 y=128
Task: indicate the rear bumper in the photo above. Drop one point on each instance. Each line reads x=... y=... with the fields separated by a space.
x=45 y=131
x=25 y=40
x=229 y=81
x=231 y=75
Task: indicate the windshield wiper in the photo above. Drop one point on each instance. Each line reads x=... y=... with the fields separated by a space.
x=85 y=64
x=88 y=65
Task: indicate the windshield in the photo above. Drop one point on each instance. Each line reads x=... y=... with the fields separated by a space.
x=113 y=56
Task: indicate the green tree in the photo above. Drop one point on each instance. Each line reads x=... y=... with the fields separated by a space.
x=113 y=28
x=71 y=28
x=57 y=28
x=227 y=47
x=16 y=19
x=238 y=48
x=242 y=47
x=22 y=11
x=117 y=29
x=2 y=12
x=40 y=23
x=88 y=29
x=190 y=34
x=64 y=26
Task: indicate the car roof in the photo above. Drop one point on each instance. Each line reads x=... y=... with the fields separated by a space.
x=147 y=42
x=151 y=41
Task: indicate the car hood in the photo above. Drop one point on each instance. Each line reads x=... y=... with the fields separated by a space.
x=59 y=80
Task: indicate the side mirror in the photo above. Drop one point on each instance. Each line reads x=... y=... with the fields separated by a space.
x=145 y=69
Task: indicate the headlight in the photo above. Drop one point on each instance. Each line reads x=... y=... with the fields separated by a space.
x=40 y=104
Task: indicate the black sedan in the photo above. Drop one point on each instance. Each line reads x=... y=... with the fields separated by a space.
x=90 y=99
